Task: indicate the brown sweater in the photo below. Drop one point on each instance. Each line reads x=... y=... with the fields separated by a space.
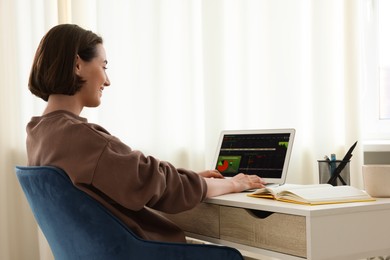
x=126 y=181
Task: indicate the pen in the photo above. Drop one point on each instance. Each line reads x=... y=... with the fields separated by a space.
x=332 y=163
x=341 y=166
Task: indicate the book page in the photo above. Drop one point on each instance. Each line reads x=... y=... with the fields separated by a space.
x=285 y=187
x=325 y=194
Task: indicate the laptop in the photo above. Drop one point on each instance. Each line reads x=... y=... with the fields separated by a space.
x=265 y=153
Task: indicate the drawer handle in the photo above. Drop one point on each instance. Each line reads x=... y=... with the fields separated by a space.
x=259 y=213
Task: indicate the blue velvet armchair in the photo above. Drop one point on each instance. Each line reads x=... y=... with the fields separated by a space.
x=78 y=227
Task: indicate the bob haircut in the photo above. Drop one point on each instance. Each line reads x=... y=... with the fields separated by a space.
x=53 y=68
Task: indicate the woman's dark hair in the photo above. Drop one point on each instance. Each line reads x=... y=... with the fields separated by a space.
x=53 y=69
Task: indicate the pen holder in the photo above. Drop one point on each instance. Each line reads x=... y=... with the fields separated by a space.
x=326 y=169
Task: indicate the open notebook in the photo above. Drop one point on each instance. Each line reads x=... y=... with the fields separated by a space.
x=264 y=152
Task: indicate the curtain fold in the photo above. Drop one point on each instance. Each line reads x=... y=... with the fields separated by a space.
x=22 y=24
x=182 y=71
x=16 y=222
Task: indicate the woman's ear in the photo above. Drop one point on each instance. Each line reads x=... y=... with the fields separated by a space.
x=78 y=66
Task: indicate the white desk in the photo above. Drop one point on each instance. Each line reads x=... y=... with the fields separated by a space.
x=292 y=231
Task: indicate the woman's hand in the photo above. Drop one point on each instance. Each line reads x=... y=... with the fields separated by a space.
x=217 y=185
x=244 y=182
x=211 y=174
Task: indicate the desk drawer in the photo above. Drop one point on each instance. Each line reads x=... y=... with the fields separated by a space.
x=202 y=220
x=278 y=232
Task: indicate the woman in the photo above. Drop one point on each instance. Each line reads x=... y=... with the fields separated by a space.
x=69 y=72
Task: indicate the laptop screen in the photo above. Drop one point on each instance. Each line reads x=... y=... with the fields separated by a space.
x=265 y=153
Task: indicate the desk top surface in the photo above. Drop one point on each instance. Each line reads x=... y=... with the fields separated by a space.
x=241 y=200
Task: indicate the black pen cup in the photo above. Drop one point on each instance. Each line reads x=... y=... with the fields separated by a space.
x=327 y=169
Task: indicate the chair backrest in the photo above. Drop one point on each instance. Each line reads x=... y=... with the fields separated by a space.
x=78 y=227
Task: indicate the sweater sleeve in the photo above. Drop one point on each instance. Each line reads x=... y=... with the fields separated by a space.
x=134 y=180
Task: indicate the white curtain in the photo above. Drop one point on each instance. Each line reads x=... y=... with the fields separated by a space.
x=182 y=71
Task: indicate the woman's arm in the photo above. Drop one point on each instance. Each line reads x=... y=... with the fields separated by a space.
x=217 y=185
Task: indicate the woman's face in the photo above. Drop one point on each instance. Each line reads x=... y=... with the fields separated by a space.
x=95 y=76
